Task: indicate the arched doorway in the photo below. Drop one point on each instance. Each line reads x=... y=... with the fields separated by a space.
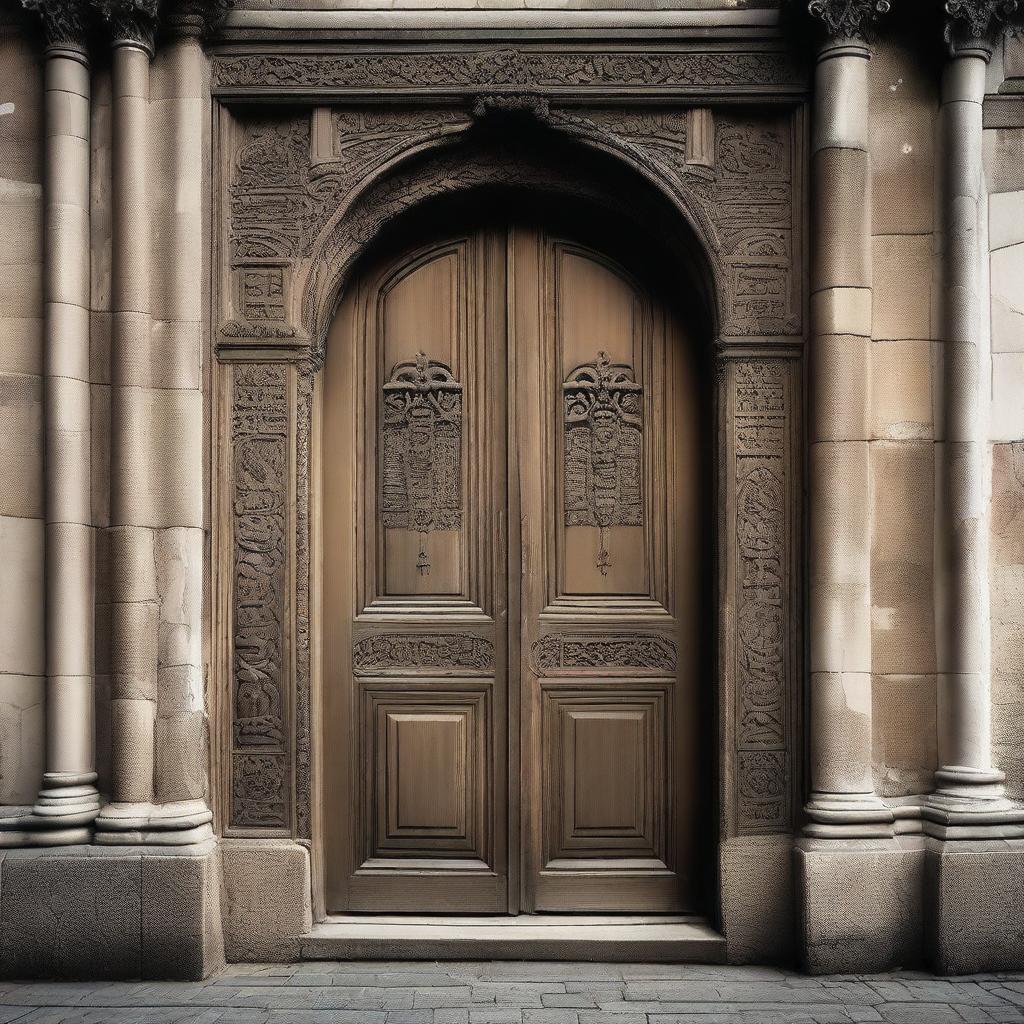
x=517 y=625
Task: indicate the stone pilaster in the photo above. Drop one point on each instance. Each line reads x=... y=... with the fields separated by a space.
x=149 y=493
x=843 y=801
x=68 y=800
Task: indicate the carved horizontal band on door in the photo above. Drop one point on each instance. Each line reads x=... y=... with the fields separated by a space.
x=305 y=190
x=390 y=652
x=565 y=652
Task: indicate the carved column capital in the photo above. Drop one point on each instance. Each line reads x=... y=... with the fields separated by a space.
x=974 y=26
x=131 y=22
x=65 y=22
x=848 y=21
x=195 y=18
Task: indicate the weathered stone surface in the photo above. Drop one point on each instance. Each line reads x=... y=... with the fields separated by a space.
x=758 y=899
x=266 y=899
x=64 y=914
x=904 y=740
x=859 y=904
x=22 y=740
x=21 y=445
x=901 y=284
x=901 y=390
x=1007 y=279
x=181 y=916
x=974 y=904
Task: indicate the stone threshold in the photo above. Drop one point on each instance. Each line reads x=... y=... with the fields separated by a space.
x=599 y=939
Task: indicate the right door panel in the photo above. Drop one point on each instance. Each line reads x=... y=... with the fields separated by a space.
x=609 y=469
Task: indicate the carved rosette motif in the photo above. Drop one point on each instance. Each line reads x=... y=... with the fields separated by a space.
x=561 y=652
x=762 y=410
x=395 y=652
x=261 y=783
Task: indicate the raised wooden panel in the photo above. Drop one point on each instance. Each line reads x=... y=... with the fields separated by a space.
x=605 y=770
x=428 y=781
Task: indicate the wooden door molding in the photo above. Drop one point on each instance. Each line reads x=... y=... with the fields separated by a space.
x=300 y=191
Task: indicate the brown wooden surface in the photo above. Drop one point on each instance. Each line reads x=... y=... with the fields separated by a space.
x=564 y=646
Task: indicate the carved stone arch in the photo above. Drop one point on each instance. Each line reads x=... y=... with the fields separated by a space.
x=443 y=167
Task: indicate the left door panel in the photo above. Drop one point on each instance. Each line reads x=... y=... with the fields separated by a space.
x=415 y=583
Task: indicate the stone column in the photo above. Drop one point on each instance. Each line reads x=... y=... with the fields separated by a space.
x=68 y=801
x=843 y=802
x=968 y=785
x=156 y=463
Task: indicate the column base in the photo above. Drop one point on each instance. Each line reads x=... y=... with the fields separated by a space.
x=974 y=900
x=848 y=816
x=184 y=823
x=84 y=912
x=62 y=815
x=859 y=904
x=968 y=803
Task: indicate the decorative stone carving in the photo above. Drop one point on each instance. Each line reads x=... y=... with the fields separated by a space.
x=603 y=483
x=131 y=21
x=260 y=443
x=421 y=451
x=196 y=17
x=479 y=69
x=566 y=651
x=390 y=652
x=848 y=19
x=761 y=705
x=65 y=22
x=977 y=23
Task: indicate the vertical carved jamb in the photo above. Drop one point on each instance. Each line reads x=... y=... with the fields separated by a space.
x=261 y=719
x=303 y=730
x=842 y=801
x=68 y=801
x=763 y=486
x=968 y=801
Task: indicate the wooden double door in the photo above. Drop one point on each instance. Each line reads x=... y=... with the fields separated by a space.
x=512 y=580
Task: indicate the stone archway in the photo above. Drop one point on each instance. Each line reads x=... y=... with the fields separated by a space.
x=307 y=191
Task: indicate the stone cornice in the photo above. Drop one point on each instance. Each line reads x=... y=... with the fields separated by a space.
x=65 y=22
x=977 y=24
x=848 y=20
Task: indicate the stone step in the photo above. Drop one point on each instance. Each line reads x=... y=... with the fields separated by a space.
x=607 y=939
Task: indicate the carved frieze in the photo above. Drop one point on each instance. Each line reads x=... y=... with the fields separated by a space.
x=761 y=698
x=421 y=451
x=260 y=445
x=557 y=652
x=395 y=652
x=512 y=67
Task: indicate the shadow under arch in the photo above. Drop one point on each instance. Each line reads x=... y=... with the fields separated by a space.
x=504 y=156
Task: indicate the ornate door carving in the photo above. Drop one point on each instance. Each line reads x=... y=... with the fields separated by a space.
x=510 y=376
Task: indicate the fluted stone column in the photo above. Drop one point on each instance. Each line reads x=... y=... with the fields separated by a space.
x=68 y=801
x=156 y=460
x=843 y=802
x=968 y=794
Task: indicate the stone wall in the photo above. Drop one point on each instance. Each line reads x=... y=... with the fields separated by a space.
x=1004 y=169
x=22 y=668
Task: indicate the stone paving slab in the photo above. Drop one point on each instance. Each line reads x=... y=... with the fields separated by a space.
x=520 y=993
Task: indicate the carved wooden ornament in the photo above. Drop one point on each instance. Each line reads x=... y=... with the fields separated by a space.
x=421 y=451
x=603 y=436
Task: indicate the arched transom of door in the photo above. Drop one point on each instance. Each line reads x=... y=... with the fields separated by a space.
x=512 y=594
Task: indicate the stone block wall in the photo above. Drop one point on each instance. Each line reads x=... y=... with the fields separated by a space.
x=22 y=668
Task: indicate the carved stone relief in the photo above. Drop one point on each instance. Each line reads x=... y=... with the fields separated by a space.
x=603 y=406
x=260 y=745
x=762 y=524
x=566 y=651
x=390 y=652
x=421 y=451
x=303 y=197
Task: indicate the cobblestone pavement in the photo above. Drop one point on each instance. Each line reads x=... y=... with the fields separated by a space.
x=519 y=993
